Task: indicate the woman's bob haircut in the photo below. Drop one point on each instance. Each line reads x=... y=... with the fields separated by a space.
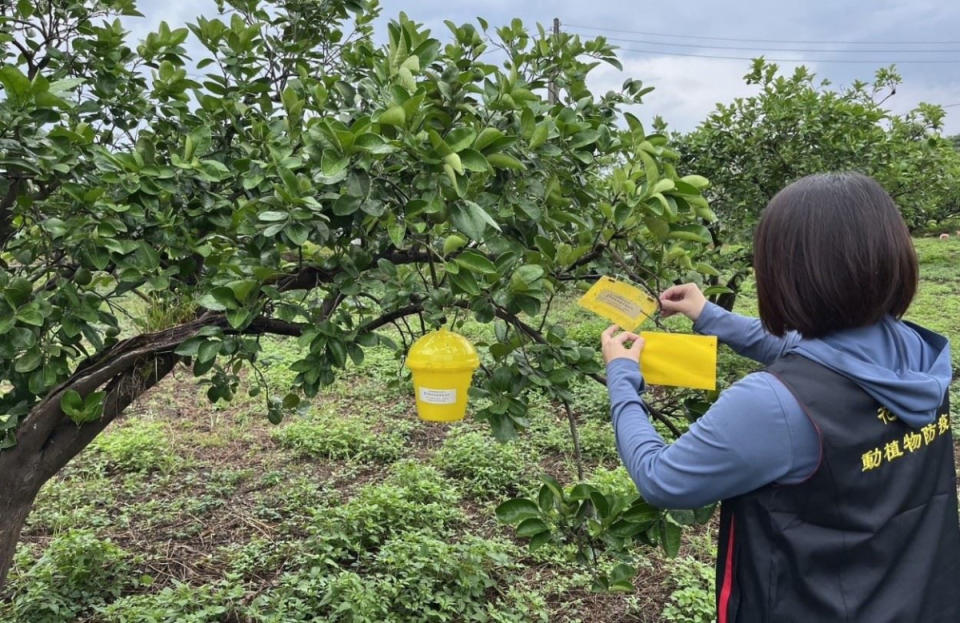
x=832 y=252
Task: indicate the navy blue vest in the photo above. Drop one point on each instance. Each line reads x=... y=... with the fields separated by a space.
x=871 y=537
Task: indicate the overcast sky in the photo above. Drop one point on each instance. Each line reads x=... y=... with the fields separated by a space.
x=688 y=87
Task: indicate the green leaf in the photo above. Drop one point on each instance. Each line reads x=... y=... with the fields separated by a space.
x=473 y=160
x=291 y=401
x=471 y=219
x=397 y=232
x=482 y=214
x=702 y=515
x=546 y=499
x=448 y=169
x=25 y=8
x=697 y=181
x=30 y=315
x=471 y=260
x=684 y=517
x=18 y=291
x=527 y=278
x=243 y=288
x=486 y=137
x=670 y=534
x=464 y=282
x=14 y=82
x=453 y=160
x=239 y=318
x=271 y=216
x=658 y=227
x=515 y=511
x=7 y=322
x=333 y=166
x=694 y=233
x=189 y=347
x=93 y=406
x=453 y=243
x=531 y=527
x=395 y=116
x=715 y=290
x=621 y=578
x=461 y=138
x=298 y=233
x=65 y=85
x=345 y=205
x=225 y=297
x=641 y=512
x=584 y=138
x=539 y=541
x=372 y=143
x=505 y=161
x=539 y=136
x=581 y=491
x=706 y=269
x=71 y=403
x=650 y=168
x=208 y=351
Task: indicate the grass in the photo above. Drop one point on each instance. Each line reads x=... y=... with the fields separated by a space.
x=353 y=509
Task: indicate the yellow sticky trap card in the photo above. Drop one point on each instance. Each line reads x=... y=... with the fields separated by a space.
x=679 y=360
x=619 y=302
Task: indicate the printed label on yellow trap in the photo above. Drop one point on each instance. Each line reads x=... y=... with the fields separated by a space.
x=619 y=302
x=438 y=396
x=679 y=360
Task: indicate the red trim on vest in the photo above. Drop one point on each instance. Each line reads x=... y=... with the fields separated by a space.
x=727 y=587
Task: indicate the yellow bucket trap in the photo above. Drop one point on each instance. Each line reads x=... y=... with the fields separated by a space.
x=442 y=363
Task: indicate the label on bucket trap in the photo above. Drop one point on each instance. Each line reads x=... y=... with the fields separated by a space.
x=438 y=396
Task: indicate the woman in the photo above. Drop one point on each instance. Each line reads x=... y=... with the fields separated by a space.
x=834 y=464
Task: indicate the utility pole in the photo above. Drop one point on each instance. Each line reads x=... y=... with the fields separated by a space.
x=552 y=95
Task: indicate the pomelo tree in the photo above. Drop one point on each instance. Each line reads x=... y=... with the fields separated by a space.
x=301 y=181
x=797 y=125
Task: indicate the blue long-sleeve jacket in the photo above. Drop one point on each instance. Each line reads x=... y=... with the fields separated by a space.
x=756 y=433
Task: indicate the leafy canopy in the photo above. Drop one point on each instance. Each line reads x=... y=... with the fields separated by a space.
x=312 y=183
x=796 y=126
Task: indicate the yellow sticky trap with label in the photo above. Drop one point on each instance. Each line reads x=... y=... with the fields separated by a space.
x=679 y=360
x=621 y=303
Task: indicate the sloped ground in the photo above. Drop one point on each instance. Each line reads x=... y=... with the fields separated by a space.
x=353 y=510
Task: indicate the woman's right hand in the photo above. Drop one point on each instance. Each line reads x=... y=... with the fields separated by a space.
x=686 y=299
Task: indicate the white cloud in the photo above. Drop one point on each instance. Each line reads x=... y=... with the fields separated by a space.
x=685 y=89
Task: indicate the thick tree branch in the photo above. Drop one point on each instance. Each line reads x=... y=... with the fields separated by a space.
x=67 y=439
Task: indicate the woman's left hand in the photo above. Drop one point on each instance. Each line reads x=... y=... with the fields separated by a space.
x=615 y=347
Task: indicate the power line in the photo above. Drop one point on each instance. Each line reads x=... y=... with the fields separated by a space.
x=950 y=105
x=737 y=47
x=742 y=40
x=794 y=60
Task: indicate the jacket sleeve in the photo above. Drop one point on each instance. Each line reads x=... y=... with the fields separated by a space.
x=742 y=443
x=744 y=335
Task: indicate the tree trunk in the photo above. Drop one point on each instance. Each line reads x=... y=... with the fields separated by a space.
x=49 y=440
x=13 y=515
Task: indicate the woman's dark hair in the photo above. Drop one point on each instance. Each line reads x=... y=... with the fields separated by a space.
x=832 y=252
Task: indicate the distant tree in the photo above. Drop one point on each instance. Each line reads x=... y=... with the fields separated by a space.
x=795 y=126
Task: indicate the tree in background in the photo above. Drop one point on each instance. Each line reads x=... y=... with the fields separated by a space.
x=795 y=126
x=310 y=184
